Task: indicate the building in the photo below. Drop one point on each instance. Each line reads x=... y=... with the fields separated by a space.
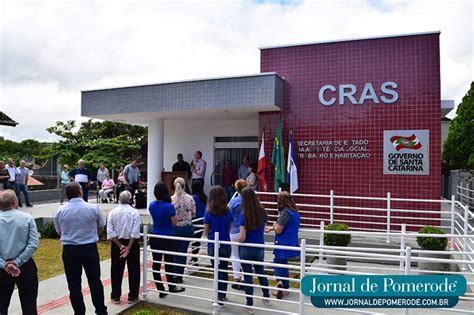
x=7 y=121
x=365 y=113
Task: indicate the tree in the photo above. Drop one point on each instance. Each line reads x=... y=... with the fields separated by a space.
x=458 y=149
x=28 y=149
x=112 y=143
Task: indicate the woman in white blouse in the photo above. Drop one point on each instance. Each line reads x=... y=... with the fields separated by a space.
x=185 y=210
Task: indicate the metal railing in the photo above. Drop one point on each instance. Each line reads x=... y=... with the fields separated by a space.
x=203 y=285
x=466 y=195
x=389 y=218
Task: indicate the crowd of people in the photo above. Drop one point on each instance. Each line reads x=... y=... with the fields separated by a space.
x=16 y=179
x=242 y=220
x=186 y=214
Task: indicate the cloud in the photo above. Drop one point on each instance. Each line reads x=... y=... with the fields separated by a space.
x=51 y=50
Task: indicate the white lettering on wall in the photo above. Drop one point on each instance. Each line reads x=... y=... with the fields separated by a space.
x=328 y=94
x=391 y=92
x=343 y=93
x=321 y=95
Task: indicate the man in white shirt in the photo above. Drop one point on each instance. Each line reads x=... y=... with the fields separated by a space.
x=12 y=172
x=123 y=228
x=198 y=168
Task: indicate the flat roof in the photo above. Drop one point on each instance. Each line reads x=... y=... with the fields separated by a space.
x=188 y=81
x=237 y=95
x=349 y=40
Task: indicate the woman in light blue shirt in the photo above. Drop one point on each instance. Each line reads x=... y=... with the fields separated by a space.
x=64 y=181
x=235 y=207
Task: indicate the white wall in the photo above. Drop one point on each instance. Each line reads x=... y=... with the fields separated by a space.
x=189 y=136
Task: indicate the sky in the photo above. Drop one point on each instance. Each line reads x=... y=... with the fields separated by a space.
x=51 y=50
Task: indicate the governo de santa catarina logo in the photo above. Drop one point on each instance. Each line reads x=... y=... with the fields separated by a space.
x=411 y=142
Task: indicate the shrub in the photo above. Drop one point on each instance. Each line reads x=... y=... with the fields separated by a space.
x=337 y=239
x=431 y=243
x=48 y=231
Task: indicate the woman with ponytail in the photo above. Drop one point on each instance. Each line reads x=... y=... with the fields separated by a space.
x=185 y=211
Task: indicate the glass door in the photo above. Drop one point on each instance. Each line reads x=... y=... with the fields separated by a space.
x=234 y=149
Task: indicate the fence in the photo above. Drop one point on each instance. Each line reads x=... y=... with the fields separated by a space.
x=388 y=219
x=466 y=195
x=403 y=260
x=395 y=225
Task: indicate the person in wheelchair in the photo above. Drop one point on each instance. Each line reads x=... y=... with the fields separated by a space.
x=107 y=188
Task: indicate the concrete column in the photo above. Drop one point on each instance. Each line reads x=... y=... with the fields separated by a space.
x=155 y=155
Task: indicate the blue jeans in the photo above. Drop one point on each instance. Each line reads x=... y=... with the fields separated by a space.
x=282 y=272
x=10 y=185
x=182 y=247
x=224 y=251
x=22 y=188
x=255 y=254
x=229 y=191
x=85 y=191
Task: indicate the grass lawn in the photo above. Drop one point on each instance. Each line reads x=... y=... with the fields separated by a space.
x=143 y=308
x=49 y=260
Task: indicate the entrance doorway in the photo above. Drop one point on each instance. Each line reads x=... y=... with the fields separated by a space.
x=232 y=148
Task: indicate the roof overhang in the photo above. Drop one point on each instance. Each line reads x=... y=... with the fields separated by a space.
x=240 y=97
x=446 y=107
x=5 y=120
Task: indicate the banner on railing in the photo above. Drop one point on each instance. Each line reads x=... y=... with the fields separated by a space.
x=384 y=291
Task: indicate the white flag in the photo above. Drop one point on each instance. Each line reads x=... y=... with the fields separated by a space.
x=291 y=170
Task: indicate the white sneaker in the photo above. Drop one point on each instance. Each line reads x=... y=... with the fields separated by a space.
x=266 y=301
x=249 y=310
x=190 y=270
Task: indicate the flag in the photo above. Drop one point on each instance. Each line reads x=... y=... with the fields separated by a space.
x=262 y=165
x=278 y=159
x=291 y=170
x=410 y=142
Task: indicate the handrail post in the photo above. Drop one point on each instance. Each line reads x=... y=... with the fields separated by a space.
x=453 y=209
x=402 y=247
x=302 y=273
x=407 y=269
x=464 y=241
x=331 y=206
x=215 y=302
x=321 y=244
x=388 y=217
x=145 y=262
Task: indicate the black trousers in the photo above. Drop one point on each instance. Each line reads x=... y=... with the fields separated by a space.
x=85 y=191
x=165 y=245
x=76 y=257
x=27 y=283
x=118 y=267
x=132 y=189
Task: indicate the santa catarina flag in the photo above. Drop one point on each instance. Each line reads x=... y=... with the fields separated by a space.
x=278 y=159
x=291 y=170
x=262 y=165
x=410 y=142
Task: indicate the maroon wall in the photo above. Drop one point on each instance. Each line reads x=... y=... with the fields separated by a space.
x=413 y=62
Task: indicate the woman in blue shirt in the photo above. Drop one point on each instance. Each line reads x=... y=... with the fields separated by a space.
x=164 y=219
x=200 y=199
x=286 y=234
x=235 y=207
x=252 y=223
x=218 y=219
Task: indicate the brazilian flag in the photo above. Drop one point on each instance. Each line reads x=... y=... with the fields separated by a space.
x=278 y=159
